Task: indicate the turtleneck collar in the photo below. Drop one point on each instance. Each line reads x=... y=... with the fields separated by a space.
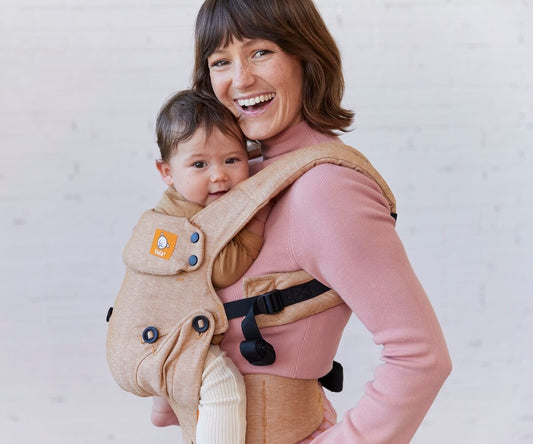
x=293 y=138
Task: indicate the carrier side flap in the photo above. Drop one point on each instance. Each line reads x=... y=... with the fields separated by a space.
x=164 y=245
x=257 y=285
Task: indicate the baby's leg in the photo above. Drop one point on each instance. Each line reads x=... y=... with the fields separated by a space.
x=222 y=407
x=162 y=413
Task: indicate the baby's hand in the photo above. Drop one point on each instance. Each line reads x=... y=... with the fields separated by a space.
x=162 y=413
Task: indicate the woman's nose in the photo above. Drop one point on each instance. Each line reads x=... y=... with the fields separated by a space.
x=243 y=76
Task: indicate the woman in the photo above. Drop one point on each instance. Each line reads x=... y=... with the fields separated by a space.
x=274 y=64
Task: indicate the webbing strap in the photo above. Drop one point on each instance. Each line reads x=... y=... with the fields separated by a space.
x=254 y=348
x=274 y=301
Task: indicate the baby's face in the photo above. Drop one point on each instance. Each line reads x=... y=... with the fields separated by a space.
x=204 y=168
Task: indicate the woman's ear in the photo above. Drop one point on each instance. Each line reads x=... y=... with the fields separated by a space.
x=165 y=171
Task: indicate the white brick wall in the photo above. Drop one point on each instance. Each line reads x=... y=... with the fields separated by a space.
x=443 y=93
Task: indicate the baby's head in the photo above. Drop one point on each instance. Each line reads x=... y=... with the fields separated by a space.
x=203 y=151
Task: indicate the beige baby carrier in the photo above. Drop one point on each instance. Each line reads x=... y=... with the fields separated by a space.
x=167 y=313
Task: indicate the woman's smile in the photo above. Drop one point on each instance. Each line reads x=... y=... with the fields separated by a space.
x=256 y=102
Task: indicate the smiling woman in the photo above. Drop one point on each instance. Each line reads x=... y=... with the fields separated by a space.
x=296 y=29
x=276 y=67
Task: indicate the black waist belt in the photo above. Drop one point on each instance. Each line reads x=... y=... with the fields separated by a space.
x=254 y=348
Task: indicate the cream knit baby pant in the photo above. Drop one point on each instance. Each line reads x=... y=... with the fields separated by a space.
x=222 y=406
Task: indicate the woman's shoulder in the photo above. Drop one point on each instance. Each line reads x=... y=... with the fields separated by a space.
x=333 y=204
x=329 y=182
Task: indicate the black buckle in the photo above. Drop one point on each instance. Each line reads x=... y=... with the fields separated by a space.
x=270 y=303
x=254 y=348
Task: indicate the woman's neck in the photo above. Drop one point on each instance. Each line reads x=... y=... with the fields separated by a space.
x=293 y=138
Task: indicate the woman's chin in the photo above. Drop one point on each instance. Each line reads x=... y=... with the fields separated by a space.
x=257 y=129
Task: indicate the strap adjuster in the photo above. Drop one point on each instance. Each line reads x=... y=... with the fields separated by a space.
x=254 y=348
x=270 y=303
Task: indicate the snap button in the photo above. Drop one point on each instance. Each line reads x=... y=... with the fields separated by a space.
x=150 y=335
x=193 y=260
x=200 y=324
x=195 y=237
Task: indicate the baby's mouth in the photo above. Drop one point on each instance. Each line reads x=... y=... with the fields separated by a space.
x=218 y=194
x=255 y=103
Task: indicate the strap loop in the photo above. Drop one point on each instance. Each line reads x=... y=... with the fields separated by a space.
x=258 y=352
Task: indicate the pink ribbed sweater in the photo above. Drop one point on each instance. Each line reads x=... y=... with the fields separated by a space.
x=334 y=223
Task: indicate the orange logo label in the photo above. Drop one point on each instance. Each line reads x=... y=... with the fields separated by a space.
x=163 y=244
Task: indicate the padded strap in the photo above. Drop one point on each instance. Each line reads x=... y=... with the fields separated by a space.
x=226 y=216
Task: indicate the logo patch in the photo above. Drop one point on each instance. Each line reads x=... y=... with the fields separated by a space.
x=163 y=244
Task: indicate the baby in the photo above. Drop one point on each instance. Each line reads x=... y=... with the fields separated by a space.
x=203 y=156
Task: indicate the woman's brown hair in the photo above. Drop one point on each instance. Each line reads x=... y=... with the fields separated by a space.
x=298 y=29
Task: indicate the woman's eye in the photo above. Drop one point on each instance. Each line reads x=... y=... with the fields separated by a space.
x=262 y=52
x=199 y=164
x=218 y=63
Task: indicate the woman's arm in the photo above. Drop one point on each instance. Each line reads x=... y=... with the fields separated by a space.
x=342 y=233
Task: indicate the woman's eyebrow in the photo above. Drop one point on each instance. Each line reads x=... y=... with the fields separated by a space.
x=218 y=51
x=246 y=43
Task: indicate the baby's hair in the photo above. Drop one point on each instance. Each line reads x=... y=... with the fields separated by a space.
x=184 y=113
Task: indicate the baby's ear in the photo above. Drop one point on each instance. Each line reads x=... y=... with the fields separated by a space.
x=165 y=171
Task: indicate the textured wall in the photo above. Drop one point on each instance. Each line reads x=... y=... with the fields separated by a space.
x=444 y=99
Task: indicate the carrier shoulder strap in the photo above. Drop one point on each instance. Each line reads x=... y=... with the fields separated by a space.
x=225 y=217
x=249 y=196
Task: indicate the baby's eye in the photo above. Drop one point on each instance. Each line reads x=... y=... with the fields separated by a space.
x=231 y=160
x=199 y=164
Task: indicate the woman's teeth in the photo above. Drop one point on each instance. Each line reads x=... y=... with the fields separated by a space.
x=255 y=100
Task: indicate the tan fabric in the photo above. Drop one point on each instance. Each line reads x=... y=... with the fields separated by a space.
x=236 y=256
x=281 y=410
x=153 y=294
x=254 y=286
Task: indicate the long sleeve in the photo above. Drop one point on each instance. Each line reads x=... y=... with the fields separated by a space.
x=235 y=258
x=341 y=232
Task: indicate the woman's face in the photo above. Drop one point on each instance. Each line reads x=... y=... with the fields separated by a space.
x=260 y=84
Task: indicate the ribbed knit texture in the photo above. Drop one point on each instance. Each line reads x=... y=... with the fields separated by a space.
x=222 y=407
x=335 y=224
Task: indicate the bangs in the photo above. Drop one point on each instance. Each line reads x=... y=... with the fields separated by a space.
x=226 y=20
x=298 y=29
